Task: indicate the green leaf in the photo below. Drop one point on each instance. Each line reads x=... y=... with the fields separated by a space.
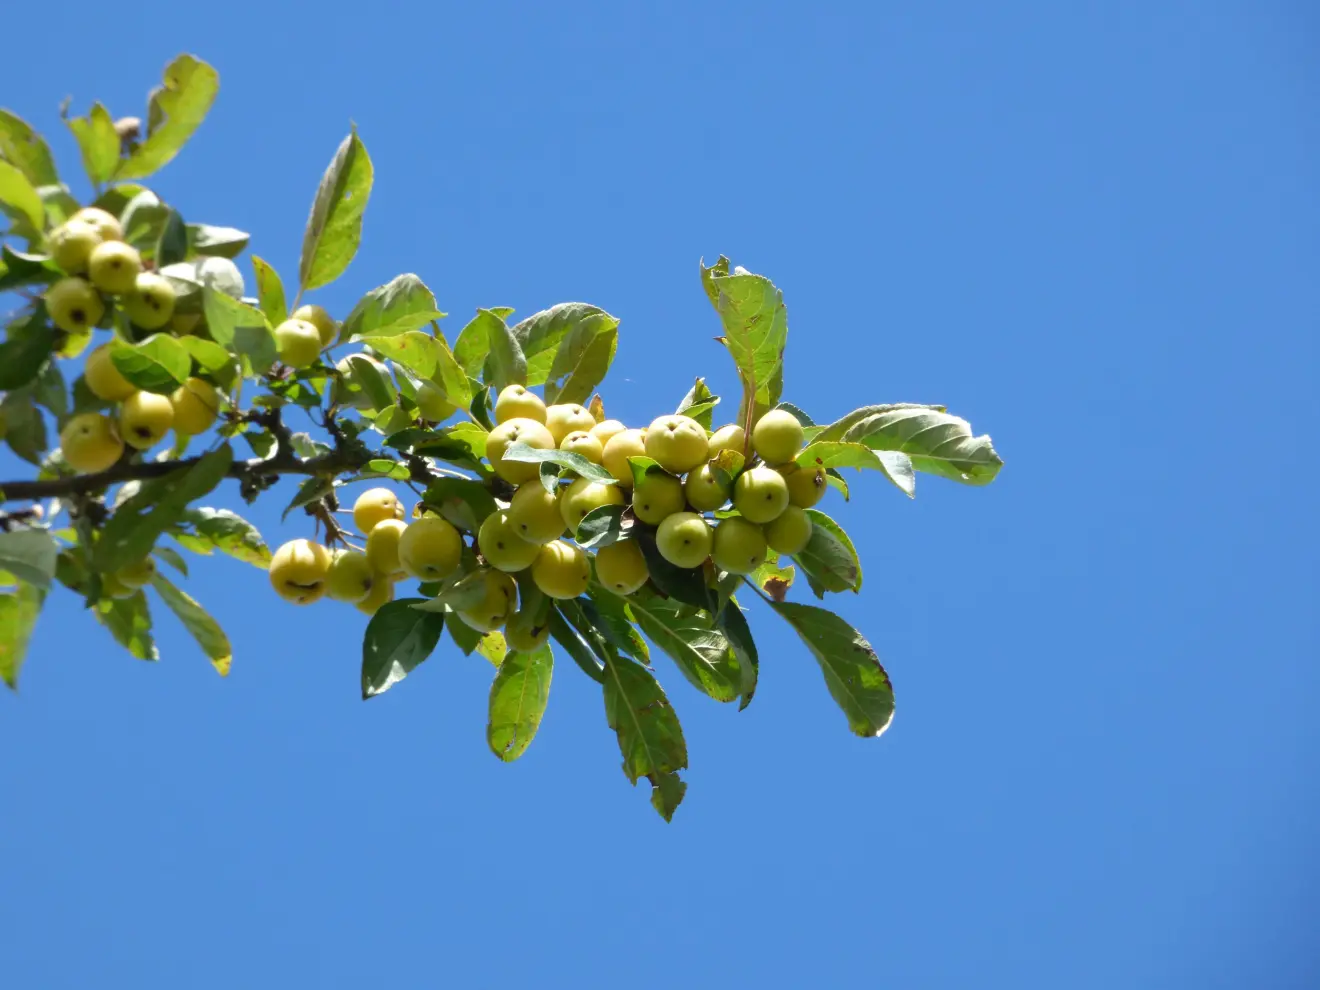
x=18 y=193
x=172 y=246
x=467 y=639
x=210 y=356
x=755 y=329
x=23 y=147
x=463 y=591
x=158 y=364
x=543 y=335
x=611 y=615
x=937 y=442
x=667 y=795
x=567 y=637
x=18 y=270
x=583 y=360
x=157 y=506
x=829 y=560
x=334 y=226
x=836 y=481
x=451 y=378
x=371 y=381
x=204 y=530
x=649 y=734
x=473 y=344
x=519 y=451
x=699 y=403
x=852 y=670
x=400 y=305
x=395 y=470
x=733 y=624
x=308 y=492
x=177 y=108
x=493 y=648
x=398 y=638
x=518 y=699
x=58 y=201
x=464 y=503
x=98 y=141
x=895 y=466
x=210 y=637
x=29 y=555
x=600 y=527
x=508 y=365
x=643 y=466
x=241 y=329
x=270 y=292
x=217 y=242
x=25 y=428
x=797 y=414
x=171 y=557
x=773 y=579
x=690 y=638
x=19 y=610
x=49 y=390
x=413 y=350
x=24 y=352
x=129 y=621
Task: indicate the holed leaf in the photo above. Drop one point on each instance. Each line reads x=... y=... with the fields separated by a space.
x=518 y=699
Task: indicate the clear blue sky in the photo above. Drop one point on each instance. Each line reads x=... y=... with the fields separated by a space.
x=1089 y=227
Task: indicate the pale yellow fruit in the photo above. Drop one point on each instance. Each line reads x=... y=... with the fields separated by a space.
x=317 y=316
x=580 y=442
x=351 y=577
x=105 y=223
x=562 y=570
x=684 y=539
x=678 y=443
x=373 y=506
x=582 y=496
x=430 y=549
x=791 y=532
x=516 y=402
x=432 y=404
x=501 y=545
x=535 y=514
x=382 y=591
x=114 y=266
x=777 y=437
x=604 y=431
x=383 y=547
x=525 y=631
x=71 y=244
x=621 y=567
x=704 y=489
x=729 y=437
x=196 y=407
x=298 y=343
x=527 y=431
x=656 y=497
x=567 y=417
x=760 y=494
x=138 y=574
x=74 y=306
x=496 y=605
x=298 y=571
x=103 y=379
x=90 y=443
x=145 y=418
x=151 y=303
x=739 y=546
x=620 y=447
x=806 y=486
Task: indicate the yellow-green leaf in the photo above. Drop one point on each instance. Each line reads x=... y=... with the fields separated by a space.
x=334 y=226
x=177 y=108
x=210 y=637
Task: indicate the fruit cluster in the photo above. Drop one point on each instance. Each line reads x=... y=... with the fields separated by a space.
x=668 y=479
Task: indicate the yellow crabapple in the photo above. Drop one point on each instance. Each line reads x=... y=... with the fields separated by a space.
x=791 y=532
x=521 y=430
x=145 y=418
x=582 y=496
x=657 y=496
x=351 y=578
x=620 y=447
x=74 y=306
x=777 y=437
x=621 y=567
x=806 y=486
x=383 y=547
x=382 y=591
x=535 y=513
x=90 y=443
x=516 y=402
x=497 y=603
x=71 y=244
x=729 y=437
x=561 y=570
x=298 y=343
x=684 y=539
x=760 y=494
x=739 y=546
x=603 y=431
x=196 y=406
x=102 y=377
x=583 y=443
x=678 y=443
x=373 y=506
x=298 y=571
x=567 y=417
x=704 y=488
x=105 y=223
x=114 y=266
x=151 y=302
x=526 y=631
x=317 y=316
x=137 y=574
x=501 y=545
x=430 y=549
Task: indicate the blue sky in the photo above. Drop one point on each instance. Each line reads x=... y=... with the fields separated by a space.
x=1091 y=228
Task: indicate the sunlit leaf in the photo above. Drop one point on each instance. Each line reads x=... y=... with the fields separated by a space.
x=20 y=195
x=129 y=621
x=650 y=737
x=270 y=292
x=98 y=141
x=690 y=638
x=829 y=559
x=204 y=629
x=400 y=305
x=177 y=108
x=518 y=699
x=398 y=638
x=23 y=147
x=160 y=363
x=755 y=329
x=19 y=610
x=334 y=226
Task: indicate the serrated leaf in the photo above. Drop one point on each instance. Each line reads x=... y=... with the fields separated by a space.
x=689 y=637
x=519 y=451
x=894 y=465
x=24 y=148
x=853 y=674
x=21 y=196
x=600 y=527
x=829 y=559
x=650 y=737
x=507 y=365
x=582 y=362
x=204 y=629
x=755 y=329
x=270 y=292
x=176 y=109
x=98 y=141
x=400 y=305
x=129 y=621
x=797 y=413
x=216 y=242
x=642 y=466
x=518 y=699
x=937 y=442
x=29 y=555
x=543 y=335
x=397 y=639
x=159 y=364
x=157 y=506
x=19 y=610
x=334 y=226
x=203 y=530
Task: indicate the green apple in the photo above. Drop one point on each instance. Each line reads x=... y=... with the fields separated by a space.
x=791 y=532
x=806 y=486
x=298 y=571
x=621 y=567
x=729 y=437
x=430 y=549
x=582 y=496
x=137 y=574
x=562 y=570
x=74 y=306
x=527 y=431
x=620 y=447
x=145 y=418
x=106 y=225
x=383 y=547
x=566 y=418
x=114 y=266
x=684 y=539
x=90 y=443
x=71 y=244
x=432 y=404
x=317 y=316
x=760 y=494
x=605 y=430
x=196 y=407
x=496 y=605
x=535 y=513
x=585 y=444
x=374 y=506
x=677 y=442
x=777 y=437
x=704 y=489
x=298 y=342
x=501 y=545
x=103 y=379
x=351 y=577
x=656 y=497
x=382 y=591
x=526 y=631
x=515 y=402
x=739 y=546
x=151 y=303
